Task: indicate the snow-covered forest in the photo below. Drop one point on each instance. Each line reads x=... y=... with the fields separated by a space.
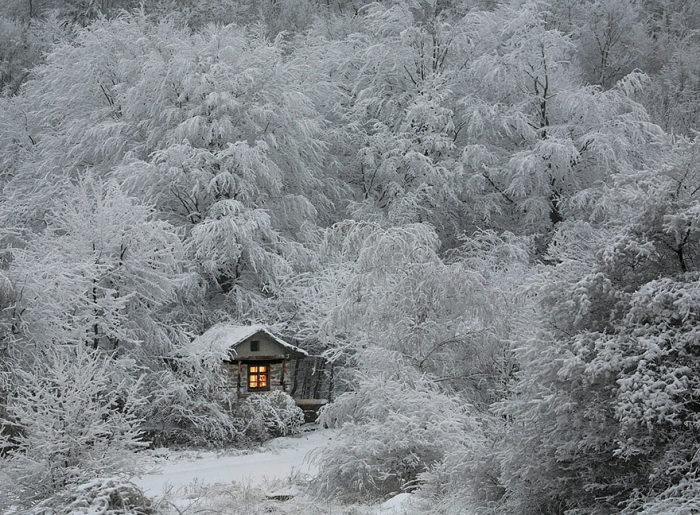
x=485 y=214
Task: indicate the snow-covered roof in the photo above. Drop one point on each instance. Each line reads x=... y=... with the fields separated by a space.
x=222 y=337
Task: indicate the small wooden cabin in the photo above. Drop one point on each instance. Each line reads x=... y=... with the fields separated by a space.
x=258 y=361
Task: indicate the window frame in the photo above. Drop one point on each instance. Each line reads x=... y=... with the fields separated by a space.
x=254 y=371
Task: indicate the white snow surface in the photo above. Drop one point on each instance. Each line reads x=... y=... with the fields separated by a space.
x=394 y=505
x=278 y=459
x=262 y=480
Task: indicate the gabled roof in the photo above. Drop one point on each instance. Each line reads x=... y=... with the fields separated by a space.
x=222 y=337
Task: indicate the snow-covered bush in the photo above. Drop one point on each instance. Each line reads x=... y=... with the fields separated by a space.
x=268 y=415
x=680 y=499
x=392 y=429
x=184 y=409
x=22 y=46
x=467 y=476
x=103 y=496
x=188 y=400
x=75 y=417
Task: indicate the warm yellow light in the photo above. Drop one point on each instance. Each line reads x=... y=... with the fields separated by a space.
x=258 y=377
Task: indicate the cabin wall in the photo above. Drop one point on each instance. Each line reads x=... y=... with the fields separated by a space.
x=267 y=347
x=231 y=369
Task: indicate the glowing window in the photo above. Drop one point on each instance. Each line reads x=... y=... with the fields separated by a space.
x=258 y=377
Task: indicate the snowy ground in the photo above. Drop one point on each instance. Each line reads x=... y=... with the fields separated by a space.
x=279 y=459
x=270 y=479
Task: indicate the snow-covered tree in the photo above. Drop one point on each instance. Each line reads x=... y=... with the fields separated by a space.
x=389 y=289
x=217 y=130
x=613 y=40
x=394 y=74
x=603 y=414
x=80 y=11
x=101 y=273
x=539 y=141
x=673 y=97
x=105 y=274
x=74 y=415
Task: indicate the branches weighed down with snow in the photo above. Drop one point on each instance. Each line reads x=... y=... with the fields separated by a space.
x=483 y=214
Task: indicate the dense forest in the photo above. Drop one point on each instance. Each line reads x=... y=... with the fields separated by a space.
x=484 y=213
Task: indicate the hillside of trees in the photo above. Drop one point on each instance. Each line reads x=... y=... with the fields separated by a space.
x=485 y=213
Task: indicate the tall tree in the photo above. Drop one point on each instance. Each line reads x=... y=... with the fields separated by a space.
x=217 y=130
x=100 y=274
x=388 y=290
x=612 y=39
x=539 y=140
x=396 y=71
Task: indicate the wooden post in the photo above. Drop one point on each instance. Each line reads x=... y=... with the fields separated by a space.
x=238 y=382
x=319 y=376
x=284 y=367
x=295 y=377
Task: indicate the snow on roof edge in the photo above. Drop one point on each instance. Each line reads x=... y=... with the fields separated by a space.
x=222 y=337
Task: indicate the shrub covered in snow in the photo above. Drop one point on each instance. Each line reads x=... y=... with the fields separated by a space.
x=392 y=429
x=103 y=496
x=75 y=421
x=468 y=476
x=268 y=415
x=188 y=401
x=604 y=415
x=184 y=410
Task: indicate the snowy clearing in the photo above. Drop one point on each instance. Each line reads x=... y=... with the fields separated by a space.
x=266 y=480
x=278 y=459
